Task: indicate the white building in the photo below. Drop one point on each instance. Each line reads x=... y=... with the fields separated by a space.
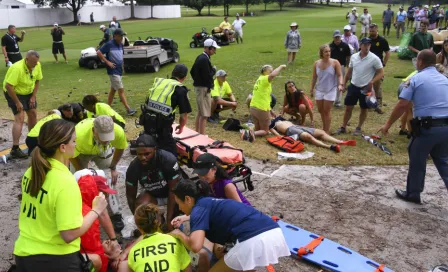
x=12 y=4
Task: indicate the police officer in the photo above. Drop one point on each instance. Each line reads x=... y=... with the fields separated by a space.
x=164 y=98
x=10 y=46
x=427 y=91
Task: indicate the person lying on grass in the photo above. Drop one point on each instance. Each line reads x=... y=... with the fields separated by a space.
x=225 y=221
x=297 y=104
x=308 y=135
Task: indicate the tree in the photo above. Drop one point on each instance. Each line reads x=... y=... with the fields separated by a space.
x=212 y=3
x=195 y=4
x=281 y=3
x=73 y=5
x=251 y=2
x=266 y=2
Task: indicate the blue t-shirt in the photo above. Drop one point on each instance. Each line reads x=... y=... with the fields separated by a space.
x=114 y=54
x=226 y=220
x=428 y=91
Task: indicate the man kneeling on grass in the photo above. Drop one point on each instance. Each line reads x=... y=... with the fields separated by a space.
x=308 y=135
x=223 y=98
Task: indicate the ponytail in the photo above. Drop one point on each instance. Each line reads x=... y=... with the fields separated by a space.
x=52 y=134
x=193 y=189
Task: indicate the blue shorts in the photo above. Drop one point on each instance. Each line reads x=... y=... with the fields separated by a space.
x=354 y=95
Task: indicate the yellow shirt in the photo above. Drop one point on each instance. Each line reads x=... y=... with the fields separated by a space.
x=105 y=109
x=225 y=25
x=57 y=207
x=221 y=91
x=19 y=76
x=36 y=129
x=158 y=252
x=261 y=97
x=85 y=142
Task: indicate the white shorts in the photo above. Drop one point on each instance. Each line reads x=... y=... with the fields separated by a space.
x=239 y=33
x=115 y=82
x=329 y=96
x=364 y=29
x=417 y=25
x=259 y=251
x=353 y=27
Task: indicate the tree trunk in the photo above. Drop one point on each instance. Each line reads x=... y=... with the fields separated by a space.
x=341 y=3
x=132 y=10
x=208 y=10
x=265 y=6
x=247 y=7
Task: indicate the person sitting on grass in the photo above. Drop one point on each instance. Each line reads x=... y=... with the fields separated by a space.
x=31 y=138
x=308 y=135
x=224 y=221
x=95 y=108
x=223 y=98
x=297 y=104
x=170 y=255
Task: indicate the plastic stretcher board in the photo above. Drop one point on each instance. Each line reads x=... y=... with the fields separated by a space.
x=327 y=254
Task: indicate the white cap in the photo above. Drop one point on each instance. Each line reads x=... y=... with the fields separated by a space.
x=211 y=43
x=221 y=73
x=89 y=172
x=293 y=24
x=237 y=15
x=55 y=24
x=354 y=8
x=102 y=26
x=347 y=27
x=57 y=112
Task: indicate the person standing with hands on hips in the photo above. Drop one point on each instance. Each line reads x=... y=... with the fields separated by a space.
x=238 y=26
x=50 y=220
x=20 y=89
x=427 y=91
x=10 y=46
x=58 y=45
x=114 y=61
x=202 y=73
x=352 y=19
x=293 y=42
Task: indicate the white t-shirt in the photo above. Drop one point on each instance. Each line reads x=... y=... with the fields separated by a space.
x=352 y=18
x=364 y=69
x=238 y=24
x=365 y=19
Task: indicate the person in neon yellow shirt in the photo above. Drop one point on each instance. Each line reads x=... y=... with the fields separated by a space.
x=156 y=251
x=50 y=220
x=31 y=138
x=223 y=98
x=95 y=108
x=260 y=105
x=99 y=140
x=20 y=89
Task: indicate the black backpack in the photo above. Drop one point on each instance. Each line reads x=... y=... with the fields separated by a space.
x=232 y=124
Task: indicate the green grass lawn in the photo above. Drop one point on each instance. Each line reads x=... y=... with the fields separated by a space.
x=263 y=44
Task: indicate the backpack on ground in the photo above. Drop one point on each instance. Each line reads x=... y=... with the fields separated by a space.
x=286 y=144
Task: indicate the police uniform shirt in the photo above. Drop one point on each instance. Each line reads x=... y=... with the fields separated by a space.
x=340 y=52
x=379 y=46
x=78 y=113
x=179 y=99
x=11 y=42
x=154 y=176
x=57 y=35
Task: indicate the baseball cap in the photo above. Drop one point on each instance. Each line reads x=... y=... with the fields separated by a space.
x=98 y=176
x=221 y=73
x=101 y=184
x=104 y=126
x=57 y=112
x=66 y=107
x=179 y=71
x=102 y=26
x=146 y=140
x=354 y=8
x=347 y=27
x=401 y=7
x=211 y=43
x=237 y=15
x=337 y=33
x=119 y=32
x=293 y=24
x=55 y=24
x=365 y=40
x=204 y=163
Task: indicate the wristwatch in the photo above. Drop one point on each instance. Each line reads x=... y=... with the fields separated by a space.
x=113 y=167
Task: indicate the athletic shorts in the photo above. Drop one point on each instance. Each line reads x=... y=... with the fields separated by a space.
x=115 y=82
x=293 y=130
x=24 y=99
x=260 y=118
x=386 y=25
x=365 y=29
x=13 y=58
x=49 y=263
x=354 y=95
x=239 y=33
x=353 y=27
x=58 y=48
x=204 y=101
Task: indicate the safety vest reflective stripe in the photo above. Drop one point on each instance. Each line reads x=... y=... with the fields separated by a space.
x=157 y=82
x=160 y=95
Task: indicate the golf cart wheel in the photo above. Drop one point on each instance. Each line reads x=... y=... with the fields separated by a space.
x=81 y=63
x=155 y=65
x=92 y=64
x=193 y=45
x=176 y=57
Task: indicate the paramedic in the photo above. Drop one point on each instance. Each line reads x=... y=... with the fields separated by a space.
x=164 y=98
x=157 y=172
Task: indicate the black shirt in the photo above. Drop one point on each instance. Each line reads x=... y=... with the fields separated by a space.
x=154 y=176
x=202 y=72
x=78 y=113
x=11 y=42
x=379 y=46
x=57 y=35
x=340 y=52
x=179 y=99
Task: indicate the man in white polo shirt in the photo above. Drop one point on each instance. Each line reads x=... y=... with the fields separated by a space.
x=365 y=69
x=238 y=27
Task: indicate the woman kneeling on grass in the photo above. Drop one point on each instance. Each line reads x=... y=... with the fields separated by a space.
x=50 y=220
x=156 y=251
x=297 y=104
x=258 y=239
